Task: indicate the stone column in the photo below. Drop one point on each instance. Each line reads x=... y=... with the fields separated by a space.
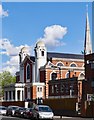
x=16 y=97
x=11 y=95
x=20 y=95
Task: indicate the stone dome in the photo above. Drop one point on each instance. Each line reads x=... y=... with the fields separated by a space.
x=40 y=43
x=24 y=49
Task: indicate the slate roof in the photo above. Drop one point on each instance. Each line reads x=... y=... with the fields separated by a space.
x=60 y=55
x=64 y=55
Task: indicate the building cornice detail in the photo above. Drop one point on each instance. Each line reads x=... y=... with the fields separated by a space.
x=65 y=59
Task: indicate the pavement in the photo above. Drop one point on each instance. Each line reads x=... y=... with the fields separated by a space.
x=62 y=117
x=74 y=118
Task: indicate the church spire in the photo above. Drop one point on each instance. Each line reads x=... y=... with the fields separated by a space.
x=87 y=45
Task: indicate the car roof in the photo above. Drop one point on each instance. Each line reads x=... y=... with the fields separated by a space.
x=13 y=106
x=42 y=105
x=3 y=107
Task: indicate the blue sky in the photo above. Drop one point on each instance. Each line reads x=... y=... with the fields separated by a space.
x=24 y=23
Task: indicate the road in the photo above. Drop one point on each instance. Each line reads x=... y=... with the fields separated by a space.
x=55 y=118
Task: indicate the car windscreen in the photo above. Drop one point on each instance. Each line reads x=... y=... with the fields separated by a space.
x=14 y=108
x=2 y=108
x=45 y=109
x=22 y=109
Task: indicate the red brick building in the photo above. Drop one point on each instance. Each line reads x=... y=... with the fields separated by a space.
x=36 y=71
x=89 y=76
x=87 y=103
x=63 y=88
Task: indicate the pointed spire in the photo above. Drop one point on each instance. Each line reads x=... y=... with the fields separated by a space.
x=87 y=45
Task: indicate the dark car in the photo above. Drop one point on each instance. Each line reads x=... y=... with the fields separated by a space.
x=28 y=113
x=11 y=110
x=19 y=111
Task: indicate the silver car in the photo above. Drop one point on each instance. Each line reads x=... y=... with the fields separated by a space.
x=42 y=112
x=3 y=110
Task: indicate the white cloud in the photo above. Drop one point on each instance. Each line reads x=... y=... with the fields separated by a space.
x=11 y=69
x=3 y=13
x=53 y=35
x=8 y=49
x=52 y=38
x=12 y=65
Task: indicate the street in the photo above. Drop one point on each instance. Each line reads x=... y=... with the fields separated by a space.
x=55 y=118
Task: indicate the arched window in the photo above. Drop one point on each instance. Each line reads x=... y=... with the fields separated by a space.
x=82 y=75
x=60 y=64
x=42 y=53
x=73 y=65
x=28 y=71
x=54 y=76
x=67 y=75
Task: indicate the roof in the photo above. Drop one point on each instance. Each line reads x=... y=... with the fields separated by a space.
x=64 y=55
x=32 y=58
x=60 y=55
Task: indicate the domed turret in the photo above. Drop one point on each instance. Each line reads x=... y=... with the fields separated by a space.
x=23 y=53
x=40 y=43
x=24 y=50
x=40 y=58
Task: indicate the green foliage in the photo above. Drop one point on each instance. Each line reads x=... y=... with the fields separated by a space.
x=5 y=79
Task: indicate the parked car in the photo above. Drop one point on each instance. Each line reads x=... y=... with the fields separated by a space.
x=3 y=110
x=11 y=110
x=19 y=111
x=28 y=113
x=42 y=112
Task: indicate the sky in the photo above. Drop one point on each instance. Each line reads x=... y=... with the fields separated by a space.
x=61 y=25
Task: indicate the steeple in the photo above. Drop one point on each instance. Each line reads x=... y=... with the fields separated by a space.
x=87 y=45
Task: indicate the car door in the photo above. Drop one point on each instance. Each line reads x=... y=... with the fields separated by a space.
x=35 y=112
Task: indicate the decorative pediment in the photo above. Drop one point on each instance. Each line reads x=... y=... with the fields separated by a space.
x=27 y=58
x=50 y=65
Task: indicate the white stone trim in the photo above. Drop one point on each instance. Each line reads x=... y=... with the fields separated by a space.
x=65 y=96
x=19 y=84
x=83 y=65
x=51 y=73
x=67 y=68
x=79 y=77
x=66 y=74
x=67 y=59
x=33 y=72
x=38 y=84
x=27 y=80
x=81 y=73
x=61 y=63
x=74 y=64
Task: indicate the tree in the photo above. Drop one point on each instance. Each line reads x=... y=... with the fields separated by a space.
x=5 y=79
